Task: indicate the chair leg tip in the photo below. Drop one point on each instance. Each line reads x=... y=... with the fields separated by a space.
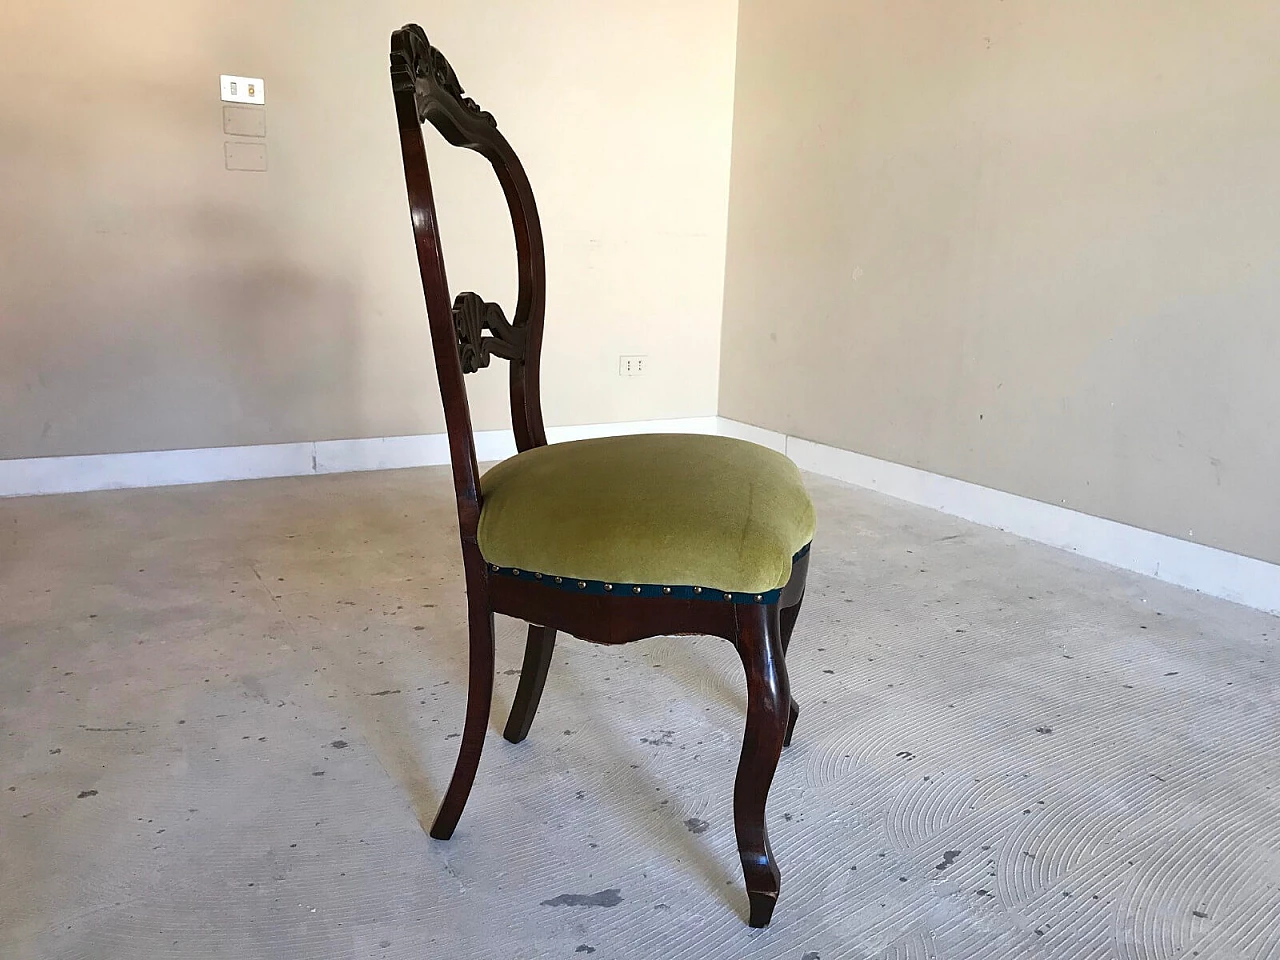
x=441 y=831
x=762 y=905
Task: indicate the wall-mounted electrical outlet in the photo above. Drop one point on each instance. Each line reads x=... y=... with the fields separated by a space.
x=632 y=366
x=243 y=89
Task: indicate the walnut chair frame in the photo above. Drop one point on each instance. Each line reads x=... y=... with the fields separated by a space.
x=465 y=334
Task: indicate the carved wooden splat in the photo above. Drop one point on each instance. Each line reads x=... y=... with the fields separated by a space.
x=472 y=315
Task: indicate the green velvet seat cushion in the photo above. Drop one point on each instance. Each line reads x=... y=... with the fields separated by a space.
x=667 y=509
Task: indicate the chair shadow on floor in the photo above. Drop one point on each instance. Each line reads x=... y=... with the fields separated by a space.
x=624 y=810
x=380 y=709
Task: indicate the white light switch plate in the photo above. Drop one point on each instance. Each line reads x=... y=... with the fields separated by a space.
x=243 y=89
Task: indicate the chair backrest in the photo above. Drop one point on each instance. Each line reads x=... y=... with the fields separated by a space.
x=426 y=89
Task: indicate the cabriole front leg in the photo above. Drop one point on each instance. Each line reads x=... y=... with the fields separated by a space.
x=759 y=645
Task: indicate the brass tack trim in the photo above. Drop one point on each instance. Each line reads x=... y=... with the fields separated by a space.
x=666 y=589
x=697 y=589
x=515 y=572
x=728 y=596
x=537 y=576
x=582 y=585
x=759 y=598
x=635 y=589
x=495 y=567
x=559 y=580
x=608 y=586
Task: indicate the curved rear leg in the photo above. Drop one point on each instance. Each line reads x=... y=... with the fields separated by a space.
x=787 y=621
x=479 y=698
x=533 y=676
x=760 y=647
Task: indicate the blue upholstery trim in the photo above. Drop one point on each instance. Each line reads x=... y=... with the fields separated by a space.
x=602 y=589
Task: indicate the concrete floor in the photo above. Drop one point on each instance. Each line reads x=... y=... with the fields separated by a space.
x=227 y=710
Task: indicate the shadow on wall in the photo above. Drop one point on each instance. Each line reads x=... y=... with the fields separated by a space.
x=150 y=299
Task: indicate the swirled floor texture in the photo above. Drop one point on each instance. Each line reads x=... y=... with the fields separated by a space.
x=226 y=712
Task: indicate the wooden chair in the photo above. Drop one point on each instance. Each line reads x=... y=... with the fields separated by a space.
x=610 y=540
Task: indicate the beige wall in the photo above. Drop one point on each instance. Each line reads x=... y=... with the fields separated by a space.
x=150 y=299
x=1031 y=245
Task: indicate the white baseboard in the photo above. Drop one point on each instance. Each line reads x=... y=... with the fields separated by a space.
x=745 y=431
x=428 y=450
x=1216 y=572
x=164 y=468
x=156 y=468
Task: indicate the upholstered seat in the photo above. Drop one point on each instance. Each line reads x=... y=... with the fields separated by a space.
x=646 y=512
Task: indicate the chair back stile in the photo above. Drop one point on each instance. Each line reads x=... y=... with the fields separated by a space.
x=466 y=333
